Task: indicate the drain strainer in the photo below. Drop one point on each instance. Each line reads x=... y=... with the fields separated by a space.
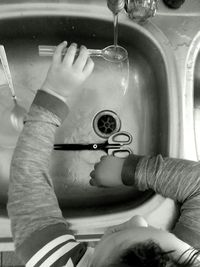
x=105 y=123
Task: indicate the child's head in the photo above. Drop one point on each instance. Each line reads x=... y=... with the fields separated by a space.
x=135 y=244
x=150 y=254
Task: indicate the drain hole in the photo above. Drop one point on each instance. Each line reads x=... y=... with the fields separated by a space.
x=105 y=123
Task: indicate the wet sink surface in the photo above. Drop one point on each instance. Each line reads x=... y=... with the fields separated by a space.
x=143 y=110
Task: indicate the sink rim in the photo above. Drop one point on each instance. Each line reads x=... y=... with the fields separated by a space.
x=189 y=102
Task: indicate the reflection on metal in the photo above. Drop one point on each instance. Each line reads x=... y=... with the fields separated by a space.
x=137 y=10
x=141 y=10
x=115 y=5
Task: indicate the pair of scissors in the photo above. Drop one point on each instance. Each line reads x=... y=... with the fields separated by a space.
x=115 y=145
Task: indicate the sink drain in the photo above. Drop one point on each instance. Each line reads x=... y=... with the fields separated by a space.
x=105 y=123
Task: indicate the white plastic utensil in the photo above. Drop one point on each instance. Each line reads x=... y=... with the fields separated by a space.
x=110 y=53
x=18 y=112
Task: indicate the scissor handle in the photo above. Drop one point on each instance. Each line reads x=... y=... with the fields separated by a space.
x=122 y=152
x=121 y=138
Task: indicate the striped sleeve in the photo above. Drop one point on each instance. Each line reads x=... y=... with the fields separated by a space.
x=52 y=246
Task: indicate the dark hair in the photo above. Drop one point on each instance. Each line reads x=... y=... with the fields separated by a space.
x=150 y=254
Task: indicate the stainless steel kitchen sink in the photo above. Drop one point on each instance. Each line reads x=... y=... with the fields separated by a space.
x=147 y=111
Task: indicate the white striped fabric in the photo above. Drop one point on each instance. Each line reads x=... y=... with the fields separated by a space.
x=86 y=260
x=58 y=254
x=49 y=246
x=69 y=263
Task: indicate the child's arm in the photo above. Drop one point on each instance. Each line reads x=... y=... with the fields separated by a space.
x=40 y=232
x=174 y=178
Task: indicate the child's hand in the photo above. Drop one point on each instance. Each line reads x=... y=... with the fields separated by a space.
x=107 y=172
x=66 y=74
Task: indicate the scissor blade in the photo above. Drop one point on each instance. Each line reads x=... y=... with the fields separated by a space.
x=74 y=147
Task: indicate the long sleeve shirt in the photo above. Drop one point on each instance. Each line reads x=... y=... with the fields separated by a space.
x=40 y=232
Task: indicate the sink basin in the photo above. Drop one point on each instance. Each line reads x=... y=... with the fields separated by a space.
x=146 y=110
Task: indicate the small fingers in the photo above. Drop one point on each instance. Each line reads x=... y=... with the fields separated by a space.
x=112 y=230
x=57 y=57
x=93 y=182
x=89 y=66
x=92 y=174
x=103 y=157
x=70 y=55
x=96 y=165
x=81 y=59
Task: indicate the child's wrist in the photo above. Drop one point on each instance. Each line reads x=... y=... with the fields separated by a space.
x=129 y=169
x=52 y=92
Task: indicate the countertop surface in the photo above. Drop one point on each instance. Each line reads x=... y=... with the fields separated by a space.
x=181 y=28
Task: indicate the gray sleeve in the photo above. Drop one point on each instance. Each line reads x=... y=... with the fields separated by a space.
x=179 y=180
x=32 y=203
